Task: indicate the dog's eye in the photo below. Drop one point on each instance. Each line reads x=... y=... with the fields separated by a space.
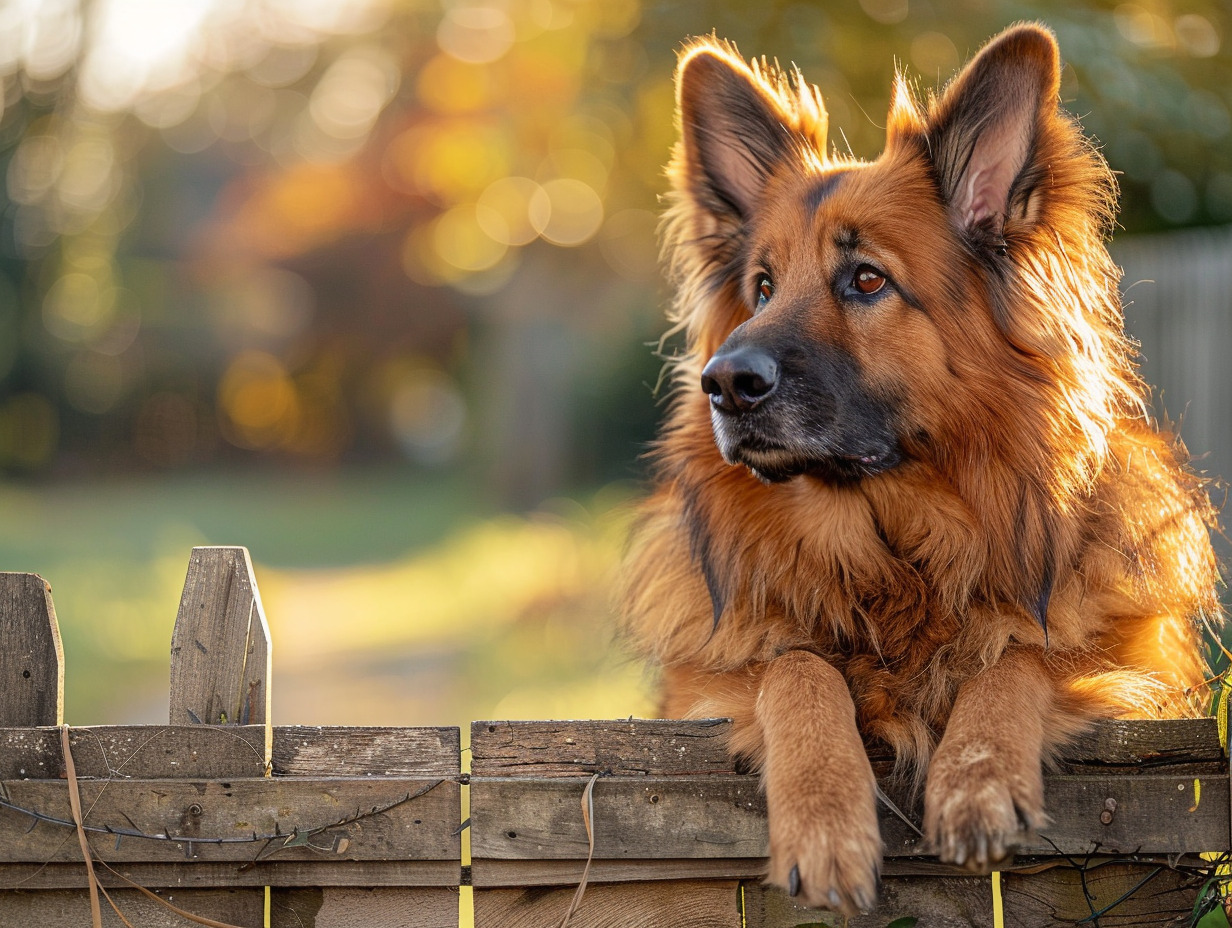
x=868 y=280
x=765 y=290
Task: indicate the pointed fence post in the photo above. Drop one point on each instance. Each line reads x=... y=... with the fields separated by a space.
x=220 y=649
x=31 y=658
x=220 y=666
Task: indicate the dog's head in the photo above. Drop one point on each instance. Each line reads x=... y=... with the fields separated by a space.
x=847 y=316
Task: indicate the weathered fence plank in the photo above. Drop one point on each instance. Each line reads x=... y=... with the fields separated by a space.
x=628 y=747
x=936 y=902
x=68 y=909
x=356 y=818
x=308 y=750
x=351 y=818
x=681 y=904
x=135 y=751
x=31 y=657
x=369 y=908
x=220 y=648
x=611 y=748
x=221 y=751
x=185 y=874
x=685 y=816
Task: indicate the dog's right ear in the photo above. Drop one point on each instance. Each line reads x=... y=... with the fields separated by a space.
x=737 y=124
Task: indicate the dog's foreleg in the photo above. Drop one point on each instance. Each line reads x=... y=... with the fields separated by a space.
x=985 y=791
x=825 y=845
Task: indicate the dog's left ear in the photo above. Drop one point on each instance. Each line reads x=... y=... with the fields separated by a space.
x=984 y=132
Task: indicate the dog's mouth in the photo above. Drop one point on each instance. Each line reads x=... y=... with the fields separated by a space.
x=772 y=462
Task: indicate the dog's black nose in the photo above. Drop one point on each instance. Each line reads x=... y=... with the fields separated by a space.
x=740 y=379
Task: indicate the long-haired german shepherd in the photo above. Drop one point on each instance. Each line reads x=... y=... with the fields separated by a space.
x=917 y=501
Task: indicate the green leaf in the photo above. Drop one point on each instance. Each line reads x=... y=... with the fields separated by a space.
x=907 y=921
x=1216 y=918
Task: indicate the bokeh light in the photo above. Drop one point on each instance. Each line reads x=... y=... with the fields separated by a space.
x=258 y=401
x=231 y=212
x=476 y=34
x=427 y=415
x=568 y=211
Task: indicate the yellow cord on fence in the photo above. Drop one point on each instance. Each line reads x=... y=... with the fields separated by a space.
x=998 y=911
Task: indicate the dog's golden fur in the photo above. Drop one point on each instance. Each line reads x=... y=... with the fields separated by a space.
x=1039 y=552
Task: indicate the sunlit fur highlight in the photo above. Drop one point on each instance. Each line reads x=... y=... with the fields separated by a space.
x=1042 y=478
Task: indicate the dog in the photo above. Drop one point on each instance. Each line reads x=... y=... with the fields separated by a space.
x=907 y=494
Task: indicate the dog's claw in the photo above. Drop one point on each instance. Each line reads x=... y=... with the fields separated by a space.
x=836 y=901
x=793 y=881
x=864 y=902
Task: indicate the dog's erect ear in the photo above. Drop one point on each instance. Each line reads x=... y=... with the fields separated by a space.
x=984 y=131
x=737 y=123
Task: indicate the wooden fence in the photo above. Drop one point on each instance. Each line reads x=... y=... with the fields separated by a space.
x=221 y=815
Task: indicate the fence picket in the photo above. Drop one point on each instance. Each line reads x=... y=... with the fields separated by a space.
x=31 y=658
x=220 y=649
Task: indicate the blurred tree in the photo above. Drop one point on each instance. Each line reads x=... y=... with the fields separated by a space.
x=326 y=231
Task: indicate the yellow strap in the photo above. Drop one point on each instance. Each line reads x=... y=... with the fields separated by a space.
x=1221 y=715
x=998 y=913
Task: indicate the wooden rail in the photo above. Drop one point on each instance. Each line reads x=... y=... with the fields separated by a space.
x=226 y=816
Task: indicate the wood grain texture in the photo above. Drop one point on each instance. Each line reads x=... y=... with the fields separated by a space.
x=1124 y=895
x=135 y=751
x=423 y=828
x=624 y=748
x=273 y=872
x=632 y=747
x=220 y=648
x=510 y=873
x=69 y=909
x=682 y=904
x=221 y=751
x=635 y=817
x=946 y=902
x=370 y=908
x=689 y=817
x=305 y=750
x=1145 y=744
x=31 y=657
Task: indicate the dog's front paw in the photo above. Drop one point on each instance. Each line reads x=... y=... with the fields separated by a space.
x=979 y=807
x=825 y=845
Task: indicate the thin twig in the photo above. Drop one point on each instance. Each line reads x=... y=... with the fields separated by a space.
x=588 y=819
x=74 y=802
x=889 y=804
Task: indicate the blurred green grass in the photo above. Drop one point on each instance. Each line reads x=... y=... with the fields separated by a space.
x=392 y=598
